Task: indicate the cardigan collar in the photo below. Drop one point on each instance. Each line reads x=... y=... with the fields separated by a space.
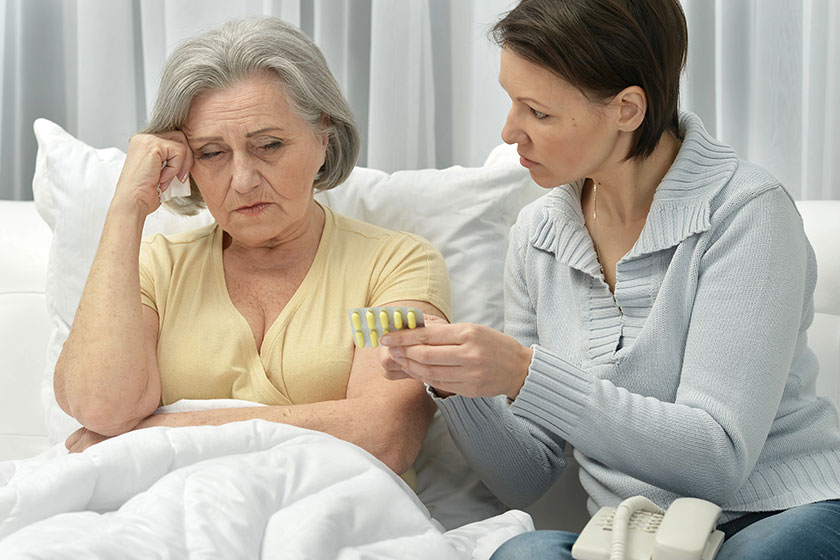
x=680 y=208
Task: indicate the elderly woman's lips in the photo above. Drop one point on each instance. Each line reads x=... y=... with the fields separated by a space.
x=253 y=209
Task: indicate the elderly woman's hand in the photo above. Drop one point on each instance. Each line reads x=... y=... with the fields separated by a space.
x=153 y=160
x=81 y=439
x=462 y=358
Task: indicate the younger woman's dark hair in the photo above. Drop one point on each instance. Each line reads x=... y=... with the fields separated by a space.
x=604 y=46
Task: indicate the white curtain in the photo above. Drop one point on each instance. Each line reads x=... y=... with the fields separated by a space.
x=421 y=76
x=765 y=77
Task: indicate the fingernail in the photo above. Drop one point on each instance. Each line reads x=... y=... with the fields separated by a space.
x=385 y=340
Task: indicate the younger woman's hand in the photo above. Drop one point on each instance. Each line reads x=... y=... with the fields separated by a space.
x=393 y=370
x=153 y=160
x=462 y=358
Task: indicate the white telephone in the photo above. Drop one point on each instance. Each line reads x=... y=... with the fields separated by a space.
x=639 y=530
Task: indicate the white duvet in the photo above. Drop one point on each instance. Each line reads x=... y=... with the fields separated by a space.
x=251 y=489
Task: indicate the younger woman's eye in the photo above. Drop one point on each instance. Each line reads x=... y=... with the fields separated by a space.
x=538 y=114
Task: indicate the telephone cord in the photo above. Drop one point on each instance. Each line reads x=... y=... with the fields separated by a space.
x=621 y=522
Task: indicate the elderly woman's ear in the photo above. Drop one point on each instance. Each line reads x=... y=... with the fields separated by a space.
x=325 y=125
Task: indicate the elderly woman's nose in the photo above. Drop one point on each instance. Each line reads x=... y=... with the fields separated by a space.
x=245 y=175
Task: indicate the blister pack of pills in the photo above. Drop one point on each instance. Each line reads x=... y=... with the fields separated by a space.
x=370 y=323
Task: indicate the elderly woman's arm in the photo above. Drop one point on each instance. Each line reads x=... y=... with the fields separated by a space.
x=102 y=376
x=389 y=419
x=105 y=377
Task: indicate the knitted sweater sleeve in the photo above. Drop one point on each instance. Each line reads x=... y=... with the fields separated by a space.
x=515 y=457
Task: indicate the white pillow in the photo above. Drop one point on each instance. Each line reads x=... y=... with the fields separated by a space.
x=73 y=186
x=465 y=212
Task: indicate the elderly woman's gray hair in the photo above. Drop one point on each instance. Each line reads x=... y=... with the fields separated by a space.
x=219 y=58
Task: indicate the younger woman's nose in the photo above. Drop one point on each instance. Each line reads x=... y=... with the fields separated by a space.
x=512 y=133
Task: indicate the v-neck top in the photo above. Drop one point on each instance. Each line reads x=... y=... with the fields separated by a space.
x=206 y=348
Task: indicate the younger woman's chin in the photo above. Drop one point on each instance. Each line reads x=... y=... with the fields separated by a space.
x=545 y=182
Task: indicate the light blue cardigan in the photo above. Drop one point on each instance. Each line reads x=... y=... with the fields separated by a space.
x=696 y=381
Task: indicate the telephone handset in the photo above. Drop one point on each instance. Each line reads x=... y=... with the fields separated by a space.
x=639 y=530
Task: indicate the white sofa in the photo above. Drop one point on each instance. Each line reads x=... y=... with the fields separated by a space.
x=24 y=332
x=25 y=241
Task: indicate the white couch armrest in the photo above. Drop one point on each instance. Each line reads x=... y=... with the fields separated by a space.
x=24 y=329
x=822 y=225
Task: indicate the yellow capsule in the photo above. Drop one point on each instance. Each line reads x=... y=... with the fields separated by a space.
x=397 y=319
x=371 y=320
x=357 y=321
x=360 y=339
x=412 y=320
x=383 y=321
x=374 y=339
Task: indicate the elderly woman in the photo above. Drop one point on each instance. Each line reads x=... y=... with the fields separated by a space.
x=254 y=305
x=657 y=302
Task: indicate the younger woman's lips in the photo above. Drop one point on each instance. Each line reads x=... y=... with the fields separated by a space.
x=525 y=162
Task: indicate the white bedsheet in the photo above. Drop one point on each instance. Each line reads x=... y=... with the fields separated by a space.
x=251 y=489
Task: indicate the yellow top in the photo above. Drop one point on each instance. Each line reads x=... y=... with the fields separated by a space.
x=206 y=348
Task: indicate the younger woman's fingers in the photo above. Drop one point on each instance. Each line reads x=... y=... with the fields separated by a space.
x=428 y=373
x=394 y=373
x=432 y=334
x=442 y=355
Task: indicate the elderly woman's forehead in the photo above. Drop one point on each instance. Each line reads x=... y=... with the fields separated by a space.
x=242 y=101
x=254 y=84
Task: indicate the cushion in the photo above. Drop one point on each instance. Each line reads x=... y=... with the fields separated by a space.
x=23 y=328
x=465 y=212
x=73 y=185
